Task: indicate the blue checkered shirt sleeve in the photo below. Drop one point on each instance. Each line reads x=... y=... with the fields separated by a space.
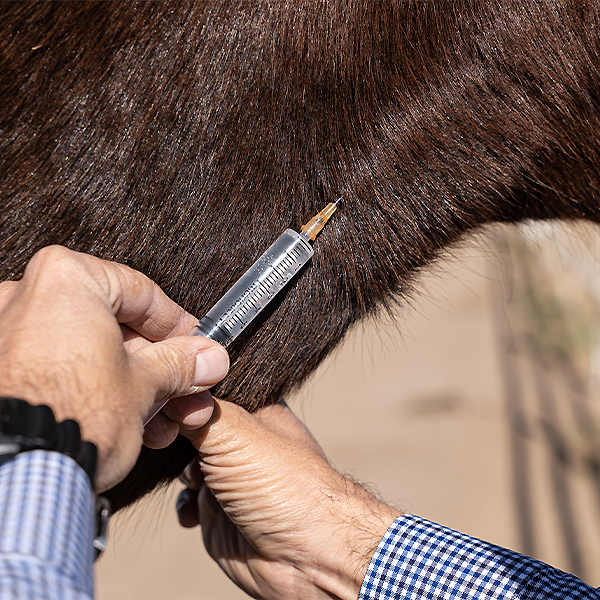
x=46 y=528
x=418 y=560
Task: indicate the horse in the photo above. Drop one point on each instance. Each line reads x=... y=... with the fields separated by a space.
x=182 y=137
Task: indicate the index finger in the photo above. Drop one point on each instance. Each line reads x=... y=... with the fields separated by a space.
x=135 y=300
x=140 y=304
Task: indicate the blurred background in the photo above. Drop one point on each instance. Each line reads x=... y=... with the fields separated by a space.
x=477 y=406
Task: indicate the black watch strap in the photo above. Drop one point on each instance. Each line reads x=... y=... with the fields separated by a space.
x=25 y=427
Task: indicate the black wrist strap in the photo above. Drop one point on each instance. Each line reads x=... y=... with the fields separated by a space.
x=25 y=427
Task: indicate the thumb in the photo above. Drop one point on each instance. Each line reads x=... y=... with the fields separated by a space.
x=180 y=366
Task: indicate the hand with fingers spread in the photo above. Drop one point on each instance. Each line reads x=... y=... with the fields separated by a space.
x=279 y=520
x=62 y=333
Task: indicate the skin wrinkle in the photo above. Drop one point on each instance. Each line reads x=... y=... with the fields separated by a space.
x=182 y=138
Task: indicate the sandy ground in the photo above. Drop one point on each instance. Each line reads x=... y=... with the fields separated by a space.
x=418 y=411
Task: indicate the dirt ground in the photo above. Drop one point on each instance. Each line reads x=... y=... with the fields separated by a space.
x=420 y=411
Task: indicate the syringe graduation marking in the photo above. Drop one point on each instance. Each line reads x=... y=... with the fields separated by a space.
x=263 y=289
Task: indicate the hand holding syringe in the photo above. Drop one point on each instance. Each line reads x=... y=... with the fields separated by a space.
x=259 y=285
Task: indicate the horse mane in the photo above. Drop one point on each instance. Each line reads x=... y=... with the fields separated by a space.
x=181 y=138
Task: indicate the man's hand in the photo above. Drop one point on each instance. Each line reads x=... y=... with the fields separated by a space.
x=279 y=520
x=62 y=329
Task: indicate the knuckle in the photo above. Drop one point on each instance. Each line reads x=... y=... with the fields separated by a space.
x=53 y=254
x=52 y=261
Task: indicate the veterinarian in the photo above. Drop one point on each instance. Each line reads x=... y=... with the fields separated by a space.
x=279 y=520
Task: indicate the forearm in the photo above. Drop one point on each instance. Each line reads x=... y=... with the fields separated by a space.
x=46 y=528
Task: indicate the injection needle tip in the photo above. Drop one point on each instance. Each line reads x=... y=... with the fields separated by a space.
x=312 y=228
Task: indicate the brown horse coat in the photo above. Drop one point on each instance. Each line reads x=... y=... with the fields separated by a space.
x=183 y=137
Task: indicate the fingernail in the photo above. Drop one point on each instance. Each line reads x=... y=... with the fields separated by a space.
x=212 y=365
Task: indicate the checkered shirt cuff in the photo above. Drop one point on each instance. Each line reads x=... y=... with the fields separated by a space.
x=418 y=559
x=46 y=528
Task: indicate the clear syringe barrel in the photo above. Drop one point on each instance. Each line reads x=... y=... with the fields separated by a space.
x=258 y=285
x=252 y=292
x=255 y=288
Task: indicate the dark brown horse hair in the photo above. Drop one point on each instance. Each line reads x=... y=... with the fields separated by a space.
x=182 y=138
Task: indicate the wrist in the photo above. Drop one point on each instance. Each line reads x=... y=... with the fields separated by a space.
x=25 y=427
x=354 y=522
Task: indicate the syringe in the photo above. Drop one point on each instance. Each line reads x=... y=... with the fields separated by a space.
x=259 y=285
